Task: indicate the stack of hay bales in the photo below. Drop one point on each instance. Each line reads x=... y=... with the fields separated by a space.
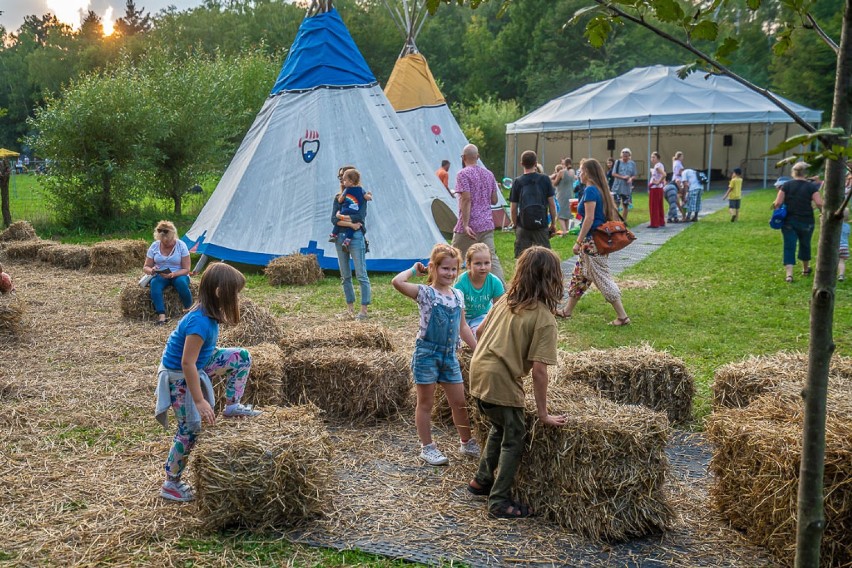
x=441 y=411
x=603 y=474
x=18 y=231
x=73 y=257
x=756 y=471
x=365 y=336
x=257 y=325
x=295 y=269
x=635 y=375
x=263 y=387
x=13 y=311
x=349 y=384
x=735 y=385
x=27 y=251
x=116 y=257
x=269 y=472
x=135 y=301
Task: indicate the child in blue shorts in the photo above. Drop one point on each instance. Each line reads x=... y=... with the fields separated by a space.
x=434 y=361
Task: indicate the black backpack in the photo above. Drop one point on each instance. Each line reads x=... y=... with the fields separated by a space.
x=532 y=206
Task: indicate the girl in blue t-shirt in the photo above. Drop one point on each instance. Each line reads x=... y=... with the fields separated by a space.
x=190 y=360
x=480 y=288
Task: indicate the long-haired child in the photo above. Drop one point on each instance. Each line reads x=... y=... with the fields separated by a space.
x=519 y=334
x=479 y=286
x=434 y=361
x=190 y=361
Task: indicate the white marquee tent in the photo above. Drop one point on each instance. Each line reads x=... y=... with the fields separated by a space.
x=717 y=122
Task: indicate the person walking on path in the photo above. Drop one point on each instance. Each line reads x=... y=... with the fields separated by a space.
x=623 y=174
x=656 y=183
x=800 y=195
x=734 y=193
x=518 y=335
x=564 y=183
x=596 y=207
x=529 y=202
x=476 y=188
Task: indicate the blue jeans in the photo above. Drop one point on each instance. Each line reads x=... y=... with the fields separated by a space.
x=158 y=286
x=794 y=231
x=356 y=252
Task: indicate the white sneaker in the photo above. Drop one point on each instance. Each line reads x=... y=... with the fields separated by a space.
x=432 y=455
x=238 y=409
x=177 y=491
x=470 y=448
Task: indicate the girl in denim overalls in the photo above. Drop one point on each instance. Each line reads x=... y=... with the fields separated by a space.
x=434 y=361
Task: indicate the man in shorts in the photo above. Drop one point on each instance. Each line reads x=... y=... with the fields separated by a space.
x=623 y=174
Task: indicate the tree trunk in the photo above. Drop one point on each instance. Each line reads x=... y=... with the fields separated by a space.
x=810 y=515
x=105 y=207
x=4 y=196
x=178 y=201
x=177 y=194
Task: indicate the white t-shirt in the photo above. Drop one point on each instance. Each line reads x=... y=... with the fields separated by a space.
x=173 y=260
x=691 y=178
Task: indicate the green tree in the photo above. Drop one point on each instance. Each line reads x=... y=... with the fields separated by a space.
x=484 y=123
x=134 y=22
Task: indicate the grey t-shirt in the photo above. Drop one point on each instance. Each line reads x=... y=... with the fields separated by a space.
x=620 y=186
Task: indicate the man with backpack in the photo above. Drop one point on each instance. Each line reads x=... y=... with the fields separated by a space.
x=530 y=200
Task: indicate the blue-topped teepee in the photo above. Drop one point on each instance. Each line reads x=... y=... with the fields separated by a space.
x=326 y=110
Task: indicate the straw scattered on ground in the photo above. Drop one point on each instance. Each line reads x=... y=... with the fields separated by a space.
x=357 y=385
x=270 y=472
x=294 y=269
x=735 y=385
x=73 y=257
x=359 y=335
x=756 y=468
x=13 y=317
x=603 y=475
x=18 y=231
x=257 y=325
x=119 y=256
x=635 y=375
x=441 y=411
x=135 y=301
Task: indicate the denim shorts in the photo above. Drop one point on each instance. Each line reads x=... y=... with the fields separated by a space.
x=431 y=365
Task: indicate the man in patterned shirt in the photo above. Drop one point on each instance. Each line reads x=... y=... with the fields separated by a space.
x=477 y=192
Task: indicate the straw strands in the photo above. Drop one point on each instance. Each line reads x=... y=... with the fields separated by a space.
x=356 y=385
x=756 y=468
x=603 y=474
x=635 y=375
x=441 y=411
x=365 y=336
x=735 y=385
x=73 y=257
x=135 y=301
x=13 y=323
x=18 y=231
x=295 y=269
x=263 y=387
x=115 y=257
x=270 y=472
x=257 y=325
x=27 y=251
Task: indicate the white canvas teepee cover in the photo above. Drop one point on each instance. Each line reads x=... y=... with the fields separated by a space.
x=418 y=101
x=326 y=110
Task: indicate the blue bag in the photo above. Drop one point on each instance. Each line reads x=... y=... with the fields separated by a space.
x=778 y=217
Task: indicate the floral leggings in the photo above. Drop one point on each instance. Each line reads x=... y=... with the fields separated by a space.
x=229 y=364
x=592 y=268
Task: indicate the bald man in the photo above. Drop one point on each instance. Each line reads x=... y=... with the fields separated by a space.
x=477 y=192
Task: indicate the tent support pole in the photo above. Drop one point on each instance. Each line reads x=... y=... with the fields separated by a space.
x=649 y=147
x=515 y=163
x=543 y=147
x=589 y=155
x=710 y=153
x=202 y=262
x=571 y=133
x=748 y=147
x=765 y=157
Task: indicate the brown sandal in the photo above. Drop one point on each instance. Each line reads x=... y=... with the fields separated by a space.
x=619 y=322
x=511 y=510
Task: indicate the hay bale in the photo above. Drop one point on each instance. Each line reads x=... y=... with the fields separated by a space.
x=13 y=323
x=27 y=251
x=263 y=387
x=135 y=301
x=441 y=411
x=735 y=385
x=73 y=257
x=257 y=325
x=115 y=257
x=295 y=269
x=355 y=385
x=603 y=474
x=635 y=375
x=18 y=231
x=269 y=472
x=362 y=335
x=755 y=468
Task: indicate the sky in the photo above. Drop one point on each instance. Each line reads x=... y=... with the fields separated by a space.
x=71 y=11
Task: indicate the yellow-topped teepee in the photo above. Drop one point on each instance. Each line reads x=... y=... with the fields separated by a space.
x=411 y=84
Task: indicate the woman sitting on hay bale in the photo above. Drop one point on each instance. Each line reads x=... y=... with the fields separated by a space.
x=520 y=327
x=168 y=262
x=189 y=361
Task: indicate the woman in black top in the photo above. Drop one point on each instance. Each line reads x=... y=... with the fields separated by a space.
x=799 y=195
